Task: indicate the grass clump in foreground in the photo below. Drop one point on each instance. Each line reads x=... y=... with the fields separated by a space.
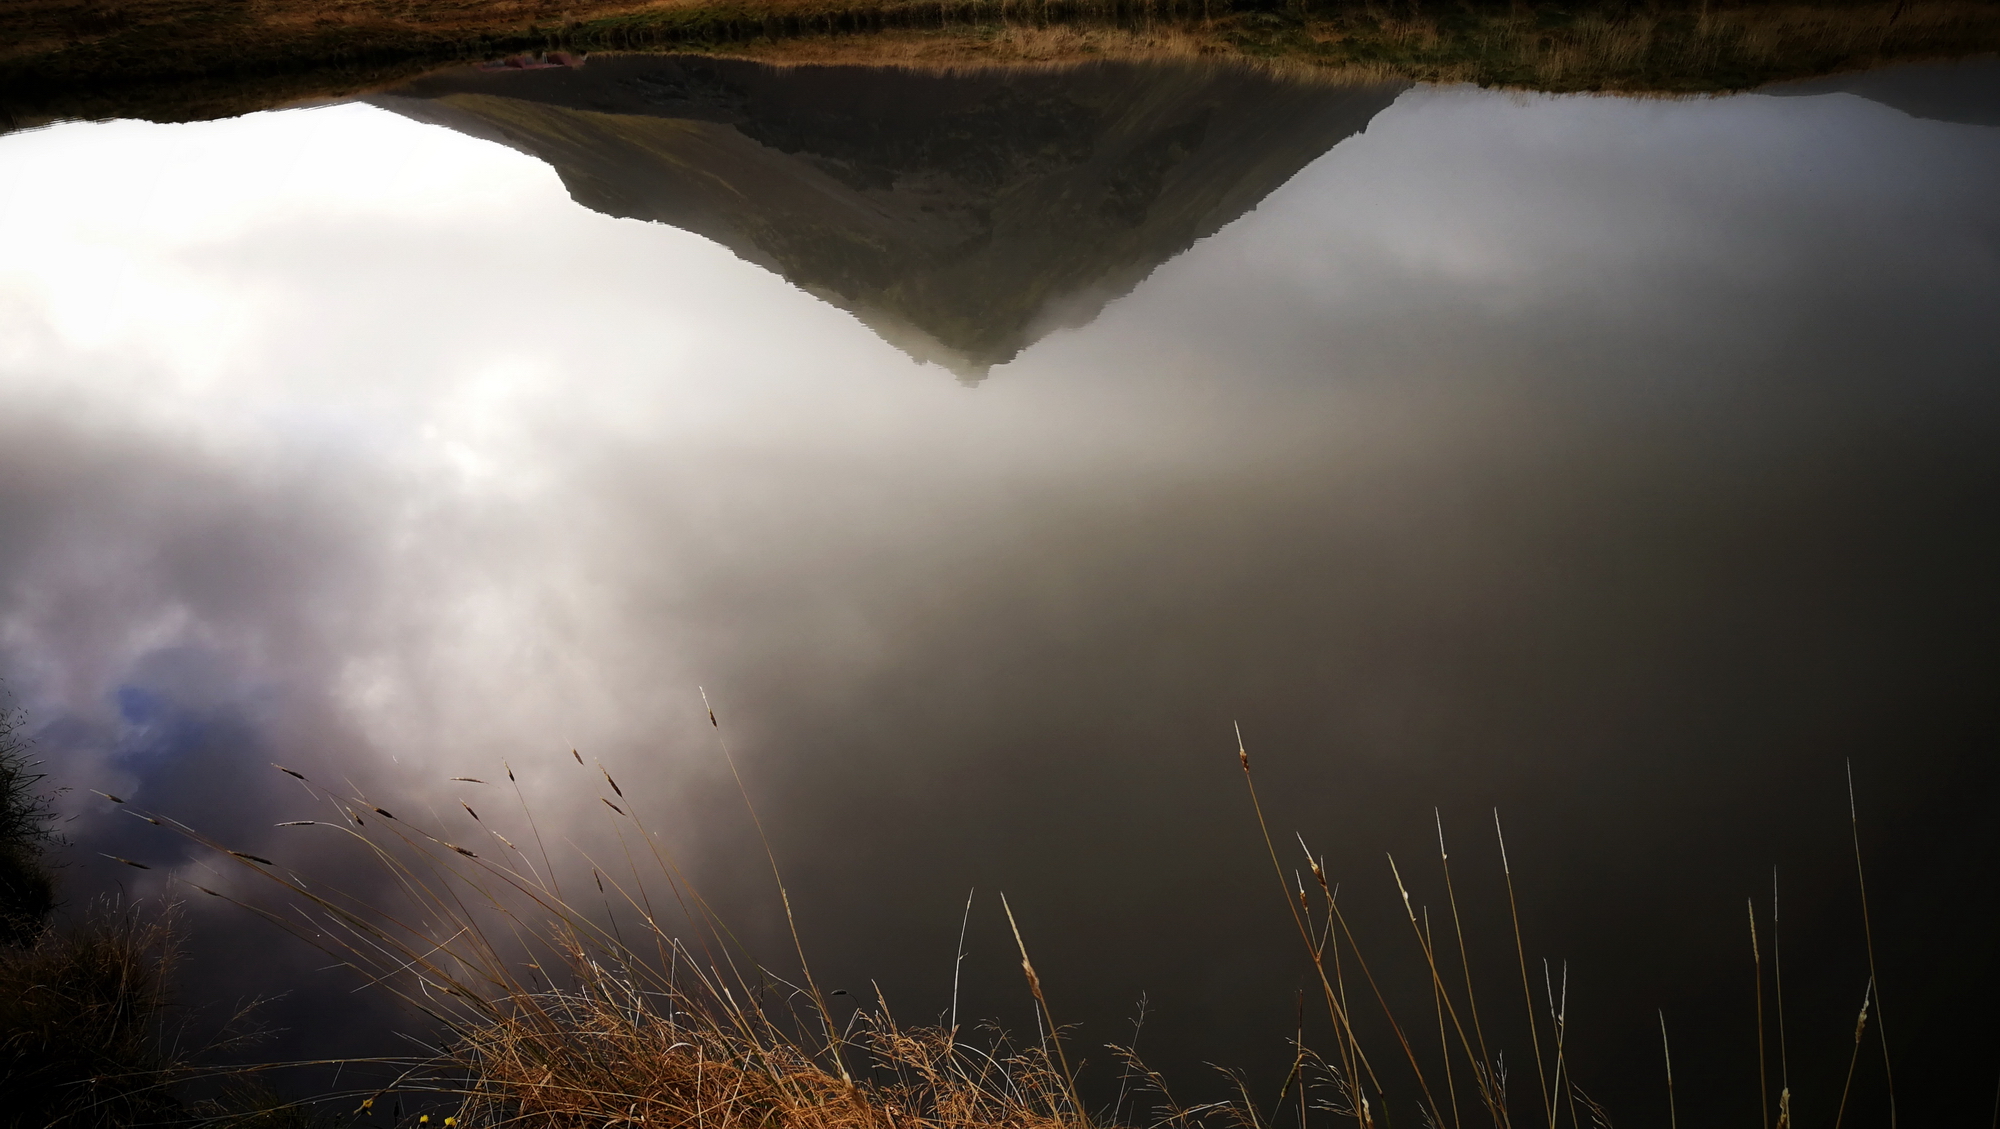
x=608 y=1049
x=553 y=1019
x=93 y=1037
x=81 y=1037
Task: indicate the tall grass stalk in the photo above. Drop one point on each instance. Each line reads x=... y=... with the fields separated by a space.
x=1559 y=1017
x=1521 y=958
x=1488 y=1084
x=1667 y=1054
x=1778 y=987
x=1344 y=1027
x=1860 y=1026
x=1763 y=1079
x=1437 y=982
x=791 y=922
x=1868 y=932
x=958 y=962
x=1444 y=1043
x=1035 y=988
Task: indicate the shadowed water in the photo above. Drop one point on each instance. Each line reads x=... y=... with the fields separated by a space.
x=1625 y=465
x=962 y=217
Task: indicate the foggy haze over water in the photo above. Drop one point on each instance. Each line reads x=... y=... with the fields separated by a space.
x=1624 y=465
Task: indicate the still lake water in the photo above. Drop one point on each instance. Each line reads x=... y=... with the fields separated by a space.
x=987 y=445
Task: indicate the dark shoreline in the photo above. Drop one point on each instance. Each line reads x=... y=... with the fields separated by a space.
x=150 y=59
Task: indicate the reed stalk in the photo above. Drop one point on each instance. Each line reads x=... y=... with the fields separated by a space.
x=1521 y=958
x=1763 y=1080
x=1868 y=933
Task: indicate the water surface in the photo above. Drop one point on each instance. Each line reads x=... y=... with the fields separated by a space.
x=1626 y=465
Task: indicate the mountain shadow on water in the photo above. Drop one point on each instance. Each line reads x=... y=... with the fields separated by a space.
x=961 y=216
x=1961 y=93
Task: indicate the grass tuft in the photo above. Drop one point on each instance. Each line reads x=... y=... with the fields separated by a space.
x=81 y=1040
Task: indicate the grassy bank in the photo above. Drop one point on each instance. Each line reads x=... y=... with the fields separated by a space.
x=174 y=60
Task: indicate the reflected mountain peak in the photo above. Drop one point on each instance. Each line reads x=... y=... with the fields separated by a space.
x=961 y=216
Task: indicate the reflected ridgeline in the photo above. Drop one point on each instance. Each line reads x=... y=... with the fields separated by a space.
x=961 y=216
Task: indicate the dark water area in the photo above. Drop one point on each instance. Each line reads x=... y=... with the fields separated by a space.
x=989 y=446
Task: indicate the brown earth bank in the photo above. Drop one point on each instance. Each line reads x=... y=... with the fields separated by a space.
x=183 y=60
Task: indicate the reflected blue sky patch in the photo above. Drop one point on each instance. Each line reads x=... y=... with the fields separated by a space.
x=139 y=706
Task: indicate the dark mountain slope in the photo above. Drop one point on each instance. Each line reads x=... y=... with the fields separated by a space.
x=962 y=216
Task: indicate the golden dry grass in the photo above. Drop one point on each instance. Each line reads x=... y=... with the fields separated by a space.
x=551 y=1016
x=604 y=1050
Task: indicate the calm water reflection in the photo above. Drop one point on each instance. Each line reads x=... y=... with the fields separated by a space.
x=1623 y=464
x=961 y=216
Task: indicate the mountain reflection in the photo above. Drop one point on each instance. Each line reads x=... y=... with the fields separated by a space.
x=961 y=216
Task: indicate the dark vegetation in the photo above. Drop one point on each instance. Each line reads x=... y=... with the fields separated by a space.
x=79 y=1009
x=27 y=889
x=176 y=60
x=81 y=1013
x=90 y=1036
